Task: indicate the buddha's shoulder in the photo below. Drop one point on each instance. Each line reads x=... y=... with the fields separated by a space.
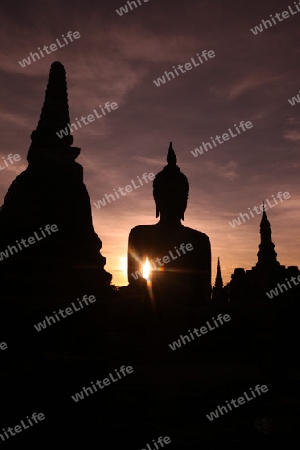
x=196 y=234
x=140 y=230
x=148 y=230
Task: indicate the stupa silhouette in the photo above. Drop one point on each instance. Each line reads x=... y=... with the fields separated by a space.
x=51 y=191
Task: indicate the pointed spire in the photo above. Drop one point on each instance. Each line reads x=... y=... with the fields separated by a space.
x=219 y=281
x=218 y=267
x=264 y=220
x=218 y=291
x=265 y=226
x=54 y=118
x=171 y=158
x=266 y=255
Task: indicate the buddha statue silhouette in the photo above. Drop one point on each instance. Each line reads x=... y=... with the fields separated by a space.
x=179 y=257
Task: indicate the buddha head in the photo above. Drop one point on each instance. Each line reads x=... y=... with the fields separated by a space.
x=170 y=190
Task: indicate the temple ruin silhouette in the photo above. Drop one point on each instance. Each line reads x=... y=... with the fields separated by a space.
x=51 y=191
x=250 y=286
x=166 y=392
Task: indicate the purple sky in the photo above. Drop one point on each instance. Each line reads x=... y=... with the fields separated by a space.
x=116 y=59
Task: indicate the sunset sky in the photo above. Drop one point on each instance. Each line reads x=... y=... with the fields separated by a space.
x=116 y=59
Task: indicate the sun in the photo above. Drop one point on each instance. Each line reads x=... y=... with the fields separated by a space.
x=146 y=269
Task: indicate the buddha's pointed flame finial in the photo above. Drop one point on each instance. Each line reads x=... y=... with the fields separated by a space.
x=171 y=158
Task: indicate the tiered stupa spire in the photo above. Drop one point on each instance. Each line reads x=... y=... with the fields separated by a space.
x=54 y=118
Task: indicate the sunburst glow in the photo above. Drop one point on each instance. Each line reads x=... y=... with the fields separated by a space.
x=146 y=269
